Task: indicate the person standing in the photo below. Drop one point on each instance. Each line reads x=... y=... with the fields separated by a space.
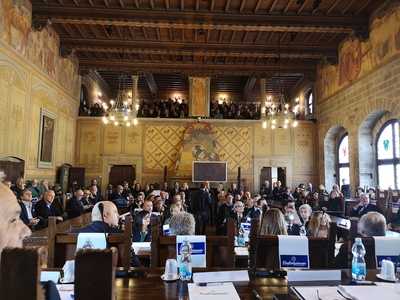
x=201 y=205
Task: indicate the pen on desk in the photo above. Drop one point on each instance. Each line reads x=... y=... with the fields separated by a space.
x=256 y=294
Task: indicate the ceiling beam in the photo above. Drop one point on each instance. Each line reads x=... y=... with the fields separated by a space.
x=347 y=7
x=228 y=2
x=297 y=48
x=288 y=6
x=166 y=4
x=192 y=68
x=332 y=7
x=302 y=7
x=194 y=26
x=257 y=6
x=151 y=83
x=242 y=5
x=359 y=11
x=201 y=20
x=273 y=6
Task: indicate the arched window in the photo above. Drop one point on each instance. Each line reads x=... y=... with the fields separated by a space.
x=310 y=103
x=388 y=156
x=343 y=160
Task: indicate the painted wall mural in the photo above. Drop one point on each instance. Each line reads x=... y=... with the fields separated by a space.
x=39 y=47
x=358 y=58
x=177 y=146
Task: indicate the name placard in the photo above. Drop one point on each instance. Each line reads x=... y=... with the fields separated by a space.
x=293 y=252
x=198 y=243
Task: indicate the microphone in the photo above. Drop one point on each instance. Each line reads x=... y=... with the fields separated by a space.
x=101 y=208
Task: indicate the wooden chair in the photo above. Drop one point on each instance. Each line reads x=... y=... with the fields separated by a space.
x=62 y=246
x=264 y=250
x=40 y=237
x=95 y=274
x=219 y=249
x=20 y=274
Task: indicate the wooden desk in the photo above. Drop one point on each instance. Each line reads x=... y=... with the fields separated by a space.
x=150 y=286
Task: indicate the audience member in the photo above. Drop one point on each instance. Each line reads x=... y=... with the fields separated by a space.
x=238 y=215
x=201 y=205
x=104 y=218
x=273 y=223
x=305 y=212
x=371 y=224
x=363 y=207
x=74 y=206
x=319 y=225
x=141 y=227
x=27 y=209
x=182 y=223
x=45 y=209
x=18 y=187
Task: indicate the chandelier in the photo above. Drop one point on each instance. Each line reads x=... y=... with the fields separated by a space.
x=277 y=112
x=123 y=110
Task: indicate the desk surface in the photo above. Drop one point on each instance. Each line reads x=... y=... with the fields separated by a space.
x=151 y=287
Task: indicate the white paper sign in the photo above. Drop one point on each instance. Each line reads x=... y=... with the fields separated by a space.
x=311 y=275
x=198 y=243
x=90 y=240
x=166 y=230
x=50 y=276
x=293 y=252
x=223 y=276
x=386 y=248
x=395 y=207
x=225 y=291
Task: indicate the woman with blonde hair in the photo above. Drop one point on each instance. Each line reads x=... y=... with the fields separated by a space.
x=273 y=223
x=318 y=226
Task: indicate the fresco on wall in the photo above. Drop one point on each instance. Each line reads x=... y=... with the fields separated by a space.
x=39 y=47
x=176 y=146
x=358 y=58
x=198 y=143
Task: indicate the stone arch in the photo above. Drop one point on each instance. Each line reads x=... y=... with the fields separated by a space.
x=366 y=148
x=331 y=139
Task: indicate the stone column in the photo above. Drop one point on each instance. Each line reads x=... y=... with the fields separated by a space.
x=199 y=96
x=135 y=95
x=263 y=94
x=353 y=160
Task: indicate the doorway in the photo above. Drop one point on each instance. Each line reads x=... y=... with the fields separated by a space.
x=12 y=167
x=273 y=174
x=121 y=173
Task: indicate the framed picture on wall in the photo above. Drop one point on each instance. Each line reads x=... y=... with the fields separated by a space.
x=46 y=139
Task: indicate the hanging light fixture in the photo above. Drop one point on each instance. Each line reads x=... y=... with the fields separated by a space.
x=122 y=111
x=277 y=112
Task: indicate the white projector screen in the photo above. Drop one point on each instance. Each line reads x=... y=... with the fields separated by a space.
x=213 y=171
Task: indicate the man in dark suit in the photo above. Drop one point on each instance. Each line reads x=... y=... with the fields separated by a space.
x=95 y=195
x=223 y=213
x=74 y=205
x=27 y=209
x=119 y=198
x=45 y=209
x=363 y=207
x=104 y=219
x=201 y=204
x=250 y=211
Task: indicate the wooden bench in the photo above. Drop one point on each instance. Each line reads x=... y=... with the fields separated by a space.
x=62 y=246
x=21 y=267
x=264 y=249
x=40 y=237
x=219 y=249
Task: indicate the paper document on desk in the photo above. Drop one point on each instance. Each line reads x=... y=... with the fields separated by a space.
x=225 y=276
x=224 y=291
x=310 y=292
x=386 y=292
x=141 y=246
x=66 y=291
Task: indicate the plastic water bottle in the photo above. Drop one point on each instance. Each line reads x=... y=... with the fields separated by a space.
x=241 y=240
x=303 y=231
x=358 y=267
x=185 y=263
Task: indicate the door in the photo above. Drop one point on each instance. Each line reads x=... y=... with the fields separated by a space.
x=78 y=175
x=265 y=175
x=12 y=167
x=121 y=173
x=282 y=176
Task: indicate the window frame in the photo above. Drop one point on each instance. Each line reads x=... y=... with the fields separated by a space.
x=340 y=165
x=388 y=161
x=308 y=94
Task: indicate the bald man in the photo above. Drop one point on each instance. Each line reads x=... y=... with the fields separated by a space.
x=104 y=218
x=12 y=229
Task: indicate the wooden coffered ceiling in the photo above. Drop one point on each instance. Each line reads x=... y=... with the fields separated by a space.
x=233 y=37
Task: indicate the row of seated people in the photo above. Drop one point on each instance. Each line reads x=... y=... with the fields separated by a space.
x=233 y=110
x=169 y=108
x=272 y=221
